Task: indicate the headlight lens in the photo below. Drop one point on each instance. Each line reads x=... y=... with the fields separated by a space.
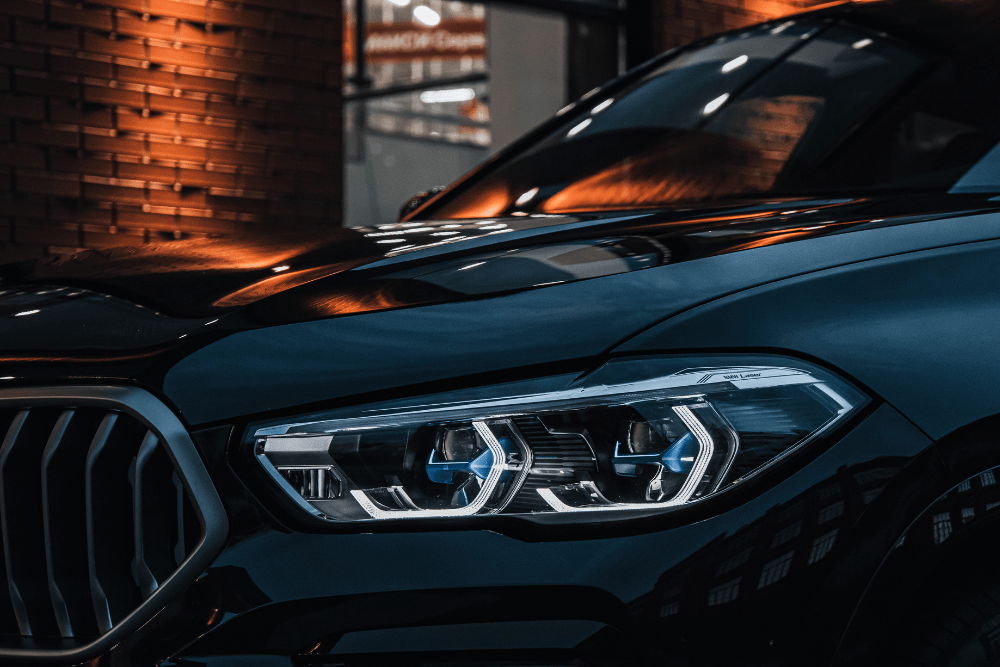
x=680 y=432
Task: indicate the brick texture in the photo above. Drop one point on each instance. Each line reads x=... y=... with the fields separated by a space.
x=127 y=121
x=678 y=22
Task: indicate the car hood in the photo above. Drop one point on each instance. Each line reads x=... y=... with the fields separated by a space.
x=228 y=328
x=282 y=278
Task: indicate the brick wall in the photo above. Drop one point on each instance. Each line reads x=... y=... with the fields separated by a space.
x=126 y=121
x=677 y=22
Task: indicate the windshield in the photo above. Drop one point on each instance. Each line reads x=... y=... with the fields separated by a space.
x=800 y=108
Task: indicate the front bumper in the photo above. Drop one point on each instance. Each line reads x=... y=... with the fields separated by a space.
x=772 y=580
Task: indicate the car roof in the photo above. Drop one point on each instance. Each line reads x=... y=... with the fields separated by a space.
x=953 y=26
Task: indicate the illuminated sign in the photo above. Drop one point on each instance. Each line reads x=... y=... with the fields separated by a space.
x=403 y=42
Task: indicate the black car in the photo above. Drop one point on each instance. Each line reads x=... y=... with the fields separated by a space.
x=704 y=371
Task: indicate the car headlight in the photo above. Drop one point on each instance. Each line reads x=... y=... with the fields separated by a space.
x=636 y=435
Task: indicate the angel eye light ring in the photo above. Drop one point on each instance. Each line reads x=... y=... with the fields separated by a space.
x=497 y=469
x=705 y=450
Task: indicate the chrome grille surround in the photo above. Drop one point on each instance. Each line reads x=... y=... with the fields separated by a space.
x=121 y=517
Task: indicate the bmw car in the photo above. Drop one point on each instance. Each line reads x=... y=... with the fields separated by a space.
x=703 y=371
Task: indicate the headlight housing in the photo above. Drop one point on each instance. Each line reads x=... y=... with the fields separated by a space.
x=636 y=435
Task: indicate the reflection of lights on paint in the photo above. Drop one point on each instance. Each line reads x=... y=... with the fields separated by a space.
x=861 y=43
x=7 y=377
x=714 y=105
x=471 y=266
x=526 y=197
x=26 y=312
x=449 y=95
x=568 y=107
x=400 y=3
x=734 y=63
x=499 y=226
x=445 y=233
x=279 y=269
x=590 y=93
x=781 y=28
x=392 y=241
x=450 y=226
x=602 y=106
x=212 y=322
x=452 y=239
x=426 y=15
x=401 y=231
x=579 y=128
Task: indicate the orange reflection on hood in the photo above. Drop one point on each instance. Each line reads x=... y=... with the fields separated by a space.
x=491 y=202
x=792 y=234
x=279 y=283
x=231 y=254
x=362 y=300
x=774 y=239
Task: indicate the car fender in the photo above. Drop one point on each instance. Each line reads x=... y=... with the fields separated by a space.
x=920 y=330
x=956 y=532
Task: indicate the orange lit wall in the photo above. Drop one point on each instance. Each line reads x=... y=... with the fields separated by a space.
x=677 y=22
x=130 y=121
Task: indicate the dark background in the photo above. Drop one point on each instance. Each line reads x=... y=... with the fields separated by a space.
x=126 y=122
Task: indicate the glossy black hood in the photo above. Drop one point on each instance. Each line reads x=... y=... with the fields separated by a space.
x=222 y=329
x=167 y=289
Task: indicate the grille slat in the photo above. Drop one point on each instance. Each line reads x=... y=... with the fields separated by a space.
x=17 y=602
x=113 y=521
x=24 y=522
x=106 y=510
x=141 y=573
x=99 y=600
x=160 y=524
x=64 y=508
x=8 y=621
x=58 y=601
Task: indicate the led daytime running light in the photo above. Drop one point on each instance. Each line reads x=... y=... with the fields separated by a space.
x=489 y=485
x=595 y=445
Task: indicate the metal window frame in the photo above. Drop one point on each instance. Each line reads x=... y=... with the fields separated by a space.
x=635 y=41
x=190 y=468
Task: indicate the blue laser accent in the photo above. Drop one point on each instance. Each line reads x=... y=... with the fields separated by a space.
x=443 y=472
x=678 y=457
